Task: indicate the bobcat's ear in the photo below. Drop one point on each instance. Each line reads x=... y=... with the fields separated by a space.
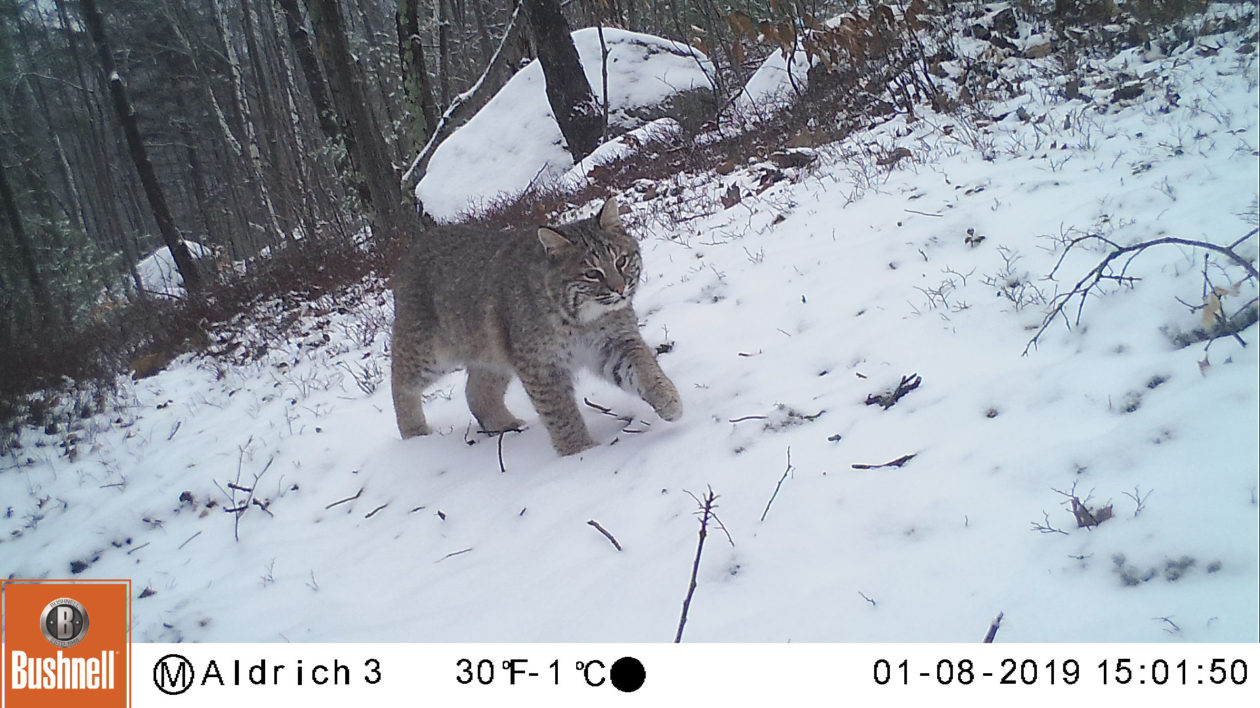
x=610 y=215
x=553 y=241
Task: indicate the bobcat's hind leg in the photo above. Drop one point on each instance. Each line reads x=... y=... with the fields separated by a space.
x=414 y=368
x=485 y=391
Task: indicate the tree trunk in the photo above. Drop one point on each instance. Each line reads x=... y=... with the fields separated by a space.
x=253 y=150
x=184 y=261
x=310 y=71
x=568 y=91
x=43 y=303
x=416 y=79
x=495 y=75
x=392 y=220
x=444 y=51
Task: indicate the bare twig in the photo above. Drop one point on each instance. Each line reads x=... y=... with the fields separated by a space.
x=604 y=531
x=452 y=554
x=894 y=463
x=786 y=471
x=372 y=513
x=347 y=499
x=706 y=511
x=993 y=628
x=1045 y=526
x=1102 y=271
x=186 y=542
x=1138 y=498
x=239 y=510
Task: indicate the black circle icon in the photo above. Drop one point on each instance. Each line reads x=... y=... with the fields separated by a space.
x=173 y=674
x=627 y=674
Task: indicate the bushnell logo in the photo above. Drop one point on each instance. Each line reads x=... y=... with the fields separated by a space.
x=64 y=622
x=53 y=656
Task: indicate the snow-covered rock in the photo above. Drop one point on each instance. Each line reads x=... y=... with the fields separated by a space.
x=513 y=143
x=158 y=273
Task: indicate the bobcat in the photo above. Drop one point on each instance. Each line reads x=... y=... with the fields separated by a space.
x=538 y=303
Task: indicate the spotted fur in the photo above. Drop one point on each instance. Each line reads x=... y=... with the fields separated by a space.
x=537 y=304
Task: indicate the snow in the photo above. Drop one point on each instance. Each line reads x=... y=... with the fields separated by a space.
x=774 y=84
x=619 y=148
x=513 y=143
x=784 y=311
x=158 y=273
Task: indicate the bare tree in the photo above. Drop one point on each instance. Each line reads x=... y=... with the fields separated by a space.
x=391 y=219
x=126 y=113
x=577 y=113
x=43 y=305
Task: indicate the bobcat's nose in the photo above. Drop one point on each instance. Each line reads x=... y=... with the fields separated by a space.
x=617 y=284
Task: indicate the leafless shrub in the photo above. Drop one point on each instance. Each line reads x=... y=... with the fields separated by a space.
x=1105 y=271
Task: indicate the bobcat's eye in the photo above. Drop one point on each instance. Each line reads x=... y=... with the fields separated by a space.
x=622 y=262
x=593 y=275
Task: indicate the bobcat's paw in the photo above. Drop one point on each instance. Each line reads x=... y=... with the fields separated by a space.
x=573 y=447
x=505 y=425
x=413 y=430
x=665 y=401
x=670 y=411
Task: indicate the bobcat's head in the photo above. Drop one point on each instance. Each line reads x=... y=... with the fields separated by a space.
x=594 y=263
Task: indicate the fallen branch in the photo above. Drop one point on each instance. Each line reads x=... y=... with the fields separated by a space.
x=452 y=554
x=347 y=499
x=889 y=399
x=895 y=463
x=1102 y=271
x=602 y=530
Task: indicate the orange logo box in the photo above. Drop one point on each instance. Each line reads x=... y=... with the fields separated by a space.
x=66 y=643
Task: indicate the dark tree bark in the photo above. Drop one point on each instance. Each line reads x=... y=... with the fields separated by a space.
x=495 y=75
x=416 y=79
x=43 y=304
x=310 y=70
x=444 y=51
x=391 y=219
x=569 y=93
x=184 y=261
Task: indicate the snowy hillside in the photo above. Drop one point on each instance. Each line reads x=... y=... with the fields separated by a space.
x=778 y=317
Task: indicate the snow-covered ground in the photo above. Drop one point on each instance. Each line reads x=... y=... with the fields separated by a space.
x=782 y=314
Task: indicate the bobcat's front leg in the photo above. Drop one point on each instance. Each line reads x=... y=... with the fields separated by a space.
x=550 y=389
x=625 y=359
